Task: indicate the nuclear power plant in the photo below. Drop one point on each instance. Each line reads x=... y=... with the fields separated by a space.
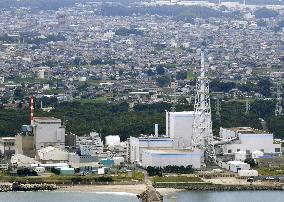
x=189 y=138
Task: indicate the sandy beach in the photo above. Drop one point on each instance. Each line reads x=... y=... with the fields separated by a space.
x=133 y=189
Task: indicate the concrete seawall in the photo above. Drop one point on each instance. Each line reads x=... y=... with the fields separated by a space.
x=214 y=187
x=27 y=187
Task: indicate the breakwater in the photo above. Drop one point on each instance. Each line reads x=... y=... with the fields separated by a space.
x=27 y=187
x=214 y=187
x=150 y=195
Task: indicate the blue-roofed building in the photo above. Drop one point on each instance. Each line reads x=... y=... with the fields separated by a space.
x=107 y=162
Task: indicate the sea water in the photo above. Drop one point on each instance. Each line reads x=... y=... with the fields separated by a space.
x=232 y=196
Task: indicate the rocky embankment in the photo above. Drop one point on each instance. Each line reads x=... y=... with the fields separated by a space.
x=215 y=187
x=27 y=187
x=150 y=195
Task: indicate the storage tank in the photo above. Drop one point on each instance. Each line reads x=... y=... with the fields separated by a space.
x=248 y=173
x=257 y=154
x=39 y=169
x=112 y=140
x=240 y=156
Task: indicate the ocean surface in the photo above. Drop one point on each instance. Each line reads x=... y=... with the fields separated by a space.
x=66 y=196
x=243 y=196
x=233 y=196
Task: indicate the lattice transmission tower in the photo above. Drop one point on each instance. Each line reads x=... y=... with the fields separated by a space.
x=202 y=124
x=278 y=107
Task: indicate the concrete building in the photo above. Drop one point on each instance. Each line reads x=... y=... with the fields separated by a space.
x=119 y=150
x=7 y=146
x=20 y=160
x=112 y=140
x=24 y=142
x=83 y=162
x=91 y=145
x=249 y=140
x=162 y=158
x=138 y=145
x=24 y=145
x=70 y=140
x=236 y=166
x=179 y=126
x=52 y=155
x=48 y=131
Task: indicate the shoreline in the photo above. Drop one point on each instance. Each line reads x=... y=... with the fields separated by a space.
x=130 y=189
x=217 y=187
x=163 y=190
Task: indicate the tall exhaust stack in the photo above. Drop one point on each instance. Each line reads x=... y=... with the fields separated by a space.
x=156 y=130
x=32 y=99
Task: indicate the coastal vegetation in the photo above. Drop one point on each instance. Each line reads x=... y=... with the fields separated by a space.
x=178 y=179
x=271 y=171
x=75 y=179
x=82 y=117
x=153 y=171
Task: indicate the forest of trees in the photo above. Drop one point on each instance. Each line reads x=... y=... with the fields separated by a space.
x=265 y=13
x=180 y=12
x=263 y=86
x=118 y=119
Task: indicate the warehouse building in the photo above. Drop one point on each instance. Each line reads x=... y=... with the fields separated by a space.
x=140 y=144
x=175 y=157
x=249 y=140
x=83 y=162
x=52 y=155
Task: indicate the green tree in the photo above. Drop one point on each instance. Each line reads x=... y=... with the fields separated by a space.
x=163 y=81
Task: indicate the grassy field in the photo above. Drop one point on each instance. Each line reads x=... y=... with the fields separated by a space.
x=265 y=171
x=176 y=179
x=93 y=101
x=69 y=179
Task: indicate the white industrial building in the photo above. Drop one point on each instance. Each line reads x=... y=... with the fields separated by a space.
x=162 y=158
x=91 y=145
x=112 y=140
x=7 y=145
x=179 y=126
x=249 y=140
x=20 y=160
x=119 y=150
x=52 y=155
x=83 y=162
x=248 y=173
x=236 y=166
x=140 y=144
x=48 y=131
